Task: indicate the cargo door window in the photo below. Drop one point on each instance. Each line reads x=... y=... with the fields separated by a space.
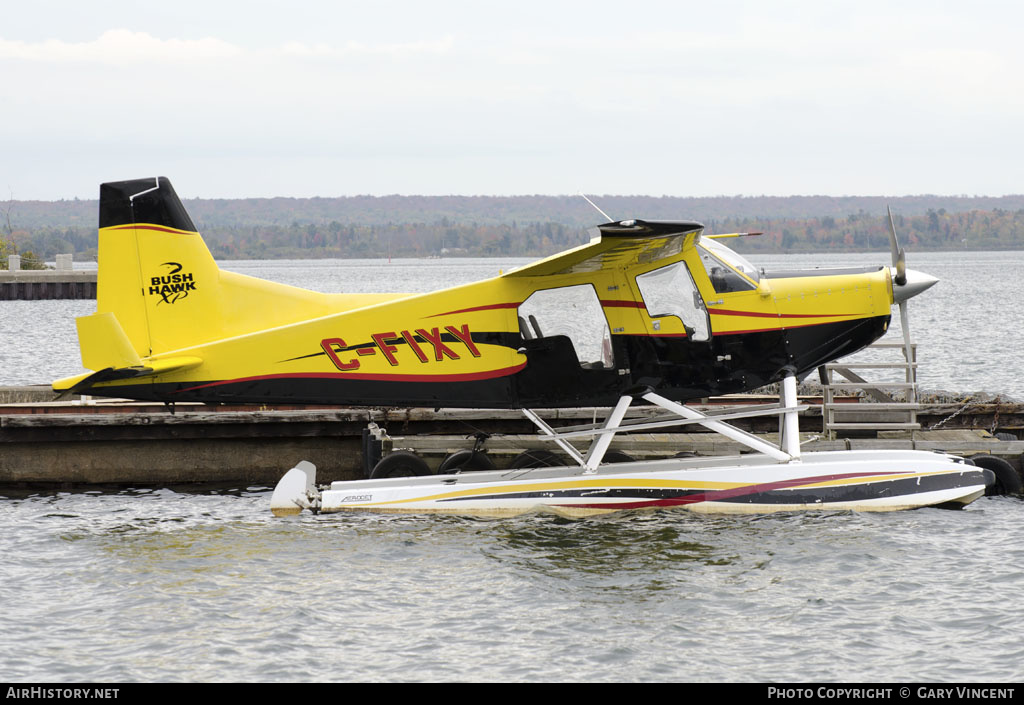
x=572 y=311
x=671 y=291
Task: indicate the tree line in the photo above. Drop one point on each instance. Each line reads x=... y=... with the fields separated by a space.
x=422 y=233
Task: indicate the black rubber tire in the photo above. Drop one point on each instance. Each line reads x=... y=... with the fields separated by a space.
x=464 y=461
x=401 y=463
x=539 y=458
x=1007 y=478
x=1003 y=436
x=685 y=454
x=617 y=456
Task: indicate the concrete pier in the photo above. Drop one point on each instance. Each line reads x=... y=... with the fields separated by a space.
x=47 y=284
x=67 y=444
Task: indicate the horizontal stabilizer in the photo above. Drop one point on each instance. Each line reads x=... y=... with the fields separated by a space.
x=83 y=382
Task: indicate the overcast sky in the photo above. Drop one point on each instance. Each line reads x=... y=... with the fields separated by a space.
x=304 y=98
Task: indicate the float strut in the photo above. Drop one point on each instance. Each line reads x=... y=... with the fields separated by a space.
x=790 y=420
x=727 y=430
x=600 y=445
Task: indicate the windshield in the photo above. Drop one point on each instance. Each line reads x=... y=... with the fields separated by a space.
x=724 y=266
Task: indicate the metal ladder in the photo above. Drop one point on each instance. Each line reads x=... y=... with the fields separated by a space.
x=832 y=411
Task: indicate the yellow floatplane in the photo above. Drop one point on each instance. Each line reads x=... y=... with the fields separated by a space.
x=647 y=311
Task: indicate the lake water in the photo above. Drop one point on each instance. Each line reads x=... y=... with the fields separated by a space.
x=173 y=585
x=187 y=584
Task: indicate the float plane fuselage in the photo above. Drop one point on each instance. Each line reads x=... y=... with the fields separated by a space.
x=646 y=304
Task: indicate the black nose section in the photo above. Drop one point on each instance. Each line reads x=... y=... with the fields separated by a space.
x=990 y=477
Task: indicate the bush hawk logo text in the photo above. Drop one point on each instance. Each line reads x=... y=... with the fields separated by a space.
x=172 y=286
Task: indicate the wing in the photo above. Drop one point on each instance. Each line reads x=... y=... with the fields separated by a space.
x=620 y=245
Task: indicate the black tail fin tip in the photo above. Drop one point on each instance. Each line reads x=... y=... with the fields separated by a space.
x=151 y=200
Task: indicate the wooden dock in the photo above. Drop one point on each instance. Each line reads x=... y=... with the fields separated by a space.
x=68 y=444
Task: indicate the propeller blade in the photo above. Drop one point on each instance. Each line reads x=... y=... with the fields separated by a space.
x=893 y=244
x=899 y=257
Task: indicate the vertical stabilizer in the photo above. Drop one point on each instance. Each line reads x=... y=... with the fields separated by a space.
x=156 y=274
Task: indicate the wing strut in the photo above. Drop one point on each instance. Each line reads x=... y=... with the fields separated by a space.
x=680 y=415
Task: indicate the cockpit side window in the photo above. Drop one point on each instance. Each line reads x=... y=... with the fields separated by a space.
x=572 y=311
x=727 y=271
x=671 y=291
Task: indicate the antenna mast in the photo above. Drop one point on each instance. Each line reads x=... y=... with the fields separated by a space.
x=607 y=217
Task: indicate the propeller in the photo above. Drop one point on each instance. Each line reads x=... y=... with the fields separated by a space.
x=905 y=284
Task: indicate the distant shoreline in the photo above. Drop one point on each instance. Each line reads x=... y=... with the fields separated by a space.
x=81 y=265
x=371 y=227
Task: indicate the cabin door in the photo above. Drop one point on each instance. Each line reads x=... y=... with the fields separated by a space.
x=670 y=292
x=576 y=313
x=569 y=352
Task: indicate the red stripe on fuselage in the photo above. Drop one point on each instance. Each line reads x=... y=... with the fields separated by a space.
x=619 y=303
x=607 y=303
x=755 y=314
x=488 y=307
x=717 y=333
